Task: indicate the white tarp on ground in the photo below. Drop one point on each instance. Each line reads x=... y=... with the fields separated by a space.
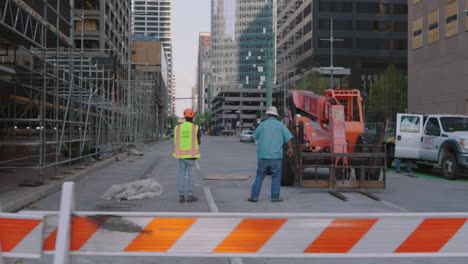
x=137 y=190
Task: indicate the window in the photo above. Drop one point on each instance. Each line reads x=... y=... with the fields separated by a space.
x=373 y=8
x=417 y=33
x=400 y=9
x=335 y=6
x=87 y=4
x=432 y=127
x=451 y=19
x=433 y=26
x=338 y=24
x=89 y=25
x=372 y=44
x=409 y=124
x=374 y=26
x=400 y=27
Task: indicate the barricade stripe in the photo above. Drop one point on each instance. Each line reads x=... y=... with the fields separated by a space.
x=32 y=243
x=205 y=235
x=295 y=235
x=393 y=230
x=160 y=234
x=459 y=242
x=341 y=236
x=120 y=230
x=49 y=242
x=83 y=228
x=431 y=235
x=250 y=235
x=12 y=231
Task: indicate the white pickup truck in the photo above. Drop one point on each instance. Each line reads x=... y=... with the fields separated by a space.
x=434 y=140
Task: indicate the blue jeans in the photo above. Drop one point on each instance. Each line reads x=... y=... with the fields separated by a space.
x=398 y=165
x=262 y=167
x=186 y=165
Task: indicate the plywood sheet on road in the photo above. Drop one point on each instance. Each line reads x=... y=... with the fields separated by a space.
x=226 y=177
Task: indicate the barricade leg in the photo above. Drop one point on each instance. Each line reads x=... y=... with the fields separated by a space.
x=67 y=205
x=1 y=255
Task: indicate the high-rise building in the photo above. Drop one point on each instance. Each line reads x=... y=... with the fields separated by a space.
x=438 y=57
x=172 y=99
x=373 y=35
x=204 y=72
x=106 y=31
x=242 y=57
x=194 y=98
x=154 y=18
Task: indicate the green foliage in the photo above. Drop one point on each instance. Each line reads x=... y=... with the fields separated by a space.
x=204 y=120
x=172 y=121
x=389 y=95
x=314 y=82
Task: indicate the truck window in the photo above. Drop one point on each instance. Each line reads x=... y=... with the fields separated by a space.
x=454 y=123
x=409 y=124
x=432 y=127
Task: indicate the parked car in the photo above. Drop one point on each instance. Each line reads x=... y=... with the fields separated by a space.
x=246 y=136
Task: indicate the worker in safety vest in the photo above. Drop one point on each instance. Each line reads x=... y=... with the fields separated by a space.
x=186 y=140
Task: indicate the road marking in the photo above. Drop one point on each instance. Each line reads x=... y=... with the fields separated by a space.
x=210 y=200
x=214 y=209
x=396 y=206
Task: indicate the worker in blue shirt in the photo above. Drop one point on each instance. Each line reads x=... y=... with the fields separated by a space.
x=270 y=135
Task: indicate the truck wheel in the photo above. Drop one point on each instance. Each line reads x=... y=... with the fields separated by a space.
x=449 y=166
x=287 y=174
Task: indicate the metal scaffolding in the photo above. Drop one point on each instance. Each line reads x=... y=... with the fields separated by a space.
x=57 y=105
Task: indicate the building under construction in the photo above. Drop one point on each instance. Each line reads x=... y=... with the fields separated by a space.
x=64 y=98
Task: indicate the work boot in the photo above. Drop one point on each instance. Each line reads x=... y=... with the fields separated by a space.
x=252 y=200
x=191 y=199
x=276 y=200
x=181 y=199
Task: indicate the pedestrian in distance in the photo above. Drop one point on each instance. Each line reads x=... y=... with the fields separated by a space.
x=271 y=135
x=186 y=149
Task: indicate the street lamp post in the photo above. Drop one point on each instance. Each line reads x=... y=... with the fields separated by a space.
x=331 y=40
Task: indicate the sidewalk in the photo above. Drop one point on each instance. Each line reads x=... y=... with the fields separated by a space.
x=14 y=197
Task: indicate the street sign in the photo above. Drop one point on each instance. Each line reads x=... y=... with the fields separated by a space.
x=336 y=70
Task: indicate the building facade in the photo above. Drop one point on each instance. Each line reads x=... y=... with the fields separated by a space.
x=150 y=67
x=242 y=57
x=373 y=36
x=153 y=18
x=204 y=73
x=438 y=57
x=105 y=32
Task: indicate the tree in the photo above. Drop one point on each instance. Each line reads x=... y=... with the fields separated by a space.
x=204 y=120
x=172 y=121
x=389 y=95
x=312 y=82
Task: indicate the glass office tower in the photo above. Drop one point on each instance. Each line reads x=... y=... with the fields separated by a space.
x=242 y=57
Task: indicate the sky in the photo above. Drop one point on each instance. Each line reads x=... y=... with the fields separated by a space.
x=190 y=17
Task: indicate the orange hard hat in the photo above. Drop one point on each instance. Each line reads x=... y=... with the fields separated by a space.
x=188 y=112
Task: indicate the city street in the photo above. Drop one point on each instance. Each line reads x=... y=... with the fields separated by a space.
x=227 y=156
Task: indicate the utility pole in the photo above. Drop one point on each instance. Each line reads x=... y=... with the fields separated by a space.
x=332 y=40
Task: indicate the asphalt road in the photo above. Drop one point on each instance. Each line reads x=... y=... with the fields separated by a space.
x=226 y=155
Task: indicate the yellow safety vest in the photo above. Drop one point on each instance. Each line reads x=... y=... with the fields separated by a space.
x=185 y=141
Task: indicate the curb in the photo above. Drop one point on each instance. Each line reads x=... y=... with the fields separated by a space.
x=43 y=191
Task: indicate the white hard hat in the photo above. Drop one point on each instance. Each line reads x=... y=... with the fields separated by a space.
x=272 y=111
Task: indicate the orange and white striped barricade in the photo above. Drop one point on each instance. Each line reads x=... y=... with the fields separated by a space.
x=254 y=235
x=21 y=236
x=268 y=235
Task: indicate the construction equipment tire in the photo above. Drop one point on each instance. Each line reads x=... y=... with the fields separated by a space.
x=287 y=173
